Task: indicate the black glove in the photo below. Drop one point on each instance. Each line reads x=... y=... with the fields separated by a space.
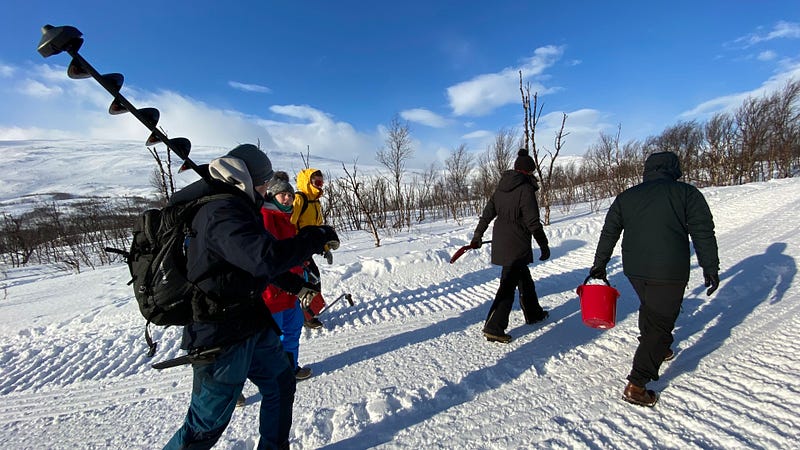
x=712 y=282
x=328 y=256
x=330 y=236
x=320 y=236
x=475 y=242
x=598 y=273
x=289 y=282
x=545 y=253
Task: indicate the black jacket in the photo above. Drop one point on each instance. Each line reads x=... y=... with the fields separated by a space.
x=658 y=216
x=514 y=206
x=232 y=258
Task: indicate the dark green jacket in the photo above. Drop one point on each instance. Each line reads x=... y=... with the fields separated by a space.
x=658 y=216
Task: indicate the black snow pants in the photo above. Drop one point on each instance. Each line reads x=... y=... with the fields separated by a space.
x=510 y=278
x=659 y=306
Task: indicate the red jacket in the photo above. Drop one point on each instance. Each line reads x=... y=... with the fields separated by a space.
x=278 y=223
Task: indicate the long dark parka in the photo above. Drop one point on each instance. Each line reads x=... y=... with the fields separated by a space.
x=515 y=210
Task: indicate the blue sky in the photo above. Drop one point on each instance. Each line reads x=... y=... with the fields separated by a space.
x=331 y=75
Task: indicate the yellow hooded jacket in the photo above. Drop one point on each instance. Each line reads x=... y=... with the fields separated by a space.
x=313 y=212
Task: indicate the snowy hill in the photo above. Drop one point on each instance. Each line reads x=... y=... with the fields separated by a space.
x=406 y=366
x=41 y=171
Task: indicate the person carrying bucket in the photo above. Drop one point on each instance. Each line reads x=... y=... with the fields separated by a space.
x=514 y=205
x=658 y=216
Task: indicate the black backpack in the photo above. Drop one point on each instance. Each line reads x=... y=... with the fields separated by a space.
x=157 y=263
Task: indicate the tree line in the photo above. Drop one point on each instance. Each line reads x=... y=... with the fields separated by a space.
x=758 y=141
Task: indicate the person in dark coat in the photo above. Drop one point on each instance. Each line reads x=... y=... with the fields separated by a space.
x=231 y=259
x=658 y=217
x=514 y=205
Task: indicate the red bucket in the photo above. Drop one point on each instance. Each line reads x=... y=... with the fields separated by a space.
x=598 y=305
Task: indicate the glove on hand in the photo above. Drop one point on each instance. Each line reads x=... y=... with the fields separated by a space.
x=328 y=256
x=475 y=242
x=545 y=253
x=320 y=236
x=712 y=282
x=598 y=273
x=330 y=236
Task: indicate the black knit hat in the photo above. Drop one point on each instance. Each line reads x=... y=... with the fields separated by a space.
x=279 y=183
x=258 y=165
x=524 y=162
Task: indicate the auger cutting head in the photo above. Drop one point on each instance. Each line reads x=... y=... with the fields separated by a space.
x=59 y=39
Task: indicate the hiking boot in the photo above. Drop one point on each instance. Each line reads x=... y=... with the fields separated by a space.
x=302 y=373
x=538 y=318
x=501 y=337
x=669 y=356
x=312 y=323
x=639 y=396
x=241 y=401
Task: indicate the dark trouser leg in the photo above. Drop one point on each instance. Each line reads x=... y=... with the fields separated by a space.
x=660 y=304
x=528 y=300
x=273 y=373
x=215 y=388
x=497 y=319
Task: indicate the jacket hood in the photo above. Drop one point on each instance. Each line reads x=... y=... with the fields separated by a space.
x=233 y=171
x=304 y=184
x=662 y=165
x=512 y=179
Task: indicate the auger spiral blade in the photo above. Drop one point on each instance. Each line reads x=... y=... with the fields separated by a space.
x=69 y=39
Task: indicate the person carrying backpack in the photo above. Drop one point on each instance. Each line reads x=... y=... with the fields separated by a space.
x=308 y=212
x=513 y=204
x=231 y=259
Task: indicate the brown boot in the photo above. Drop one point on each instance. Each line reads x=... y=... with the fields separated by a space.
x=497 y=337
x=669 y=356
x=639 y=395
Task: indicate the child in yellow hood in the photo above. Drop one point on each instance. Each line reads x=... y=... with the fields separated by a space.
x=308 y=211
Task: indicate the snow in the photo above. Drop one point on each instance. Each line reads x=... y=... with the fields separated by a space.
x=407 y=367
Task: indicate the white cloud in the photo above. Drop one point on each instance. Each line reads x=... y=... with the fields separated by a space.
x=767 y=55
x=21 y=134
x=78 y=109
x=479 y=134
x=249 y=87
x=729 y=103
x=581 y=129
x=38 y=89
x=484 y=93
x=316 y=130
x=781 y=30
x=6 y=71
x=424 y=117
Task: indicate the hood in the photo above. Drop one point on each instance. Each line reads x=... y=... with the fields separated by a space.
x=304 y=184
x=233 y=171
x=662 y=165
x=512 y=179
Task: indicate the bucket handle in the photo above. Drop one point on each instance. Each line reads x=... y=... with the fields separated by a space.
x=605 y=279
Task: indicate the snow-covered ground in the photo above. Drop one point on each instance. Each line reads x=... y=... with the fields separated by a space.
x=407 y=367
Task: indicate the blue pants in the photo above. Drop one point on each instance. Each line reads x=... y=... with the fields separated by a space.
x=291 y=323
x=217 y=385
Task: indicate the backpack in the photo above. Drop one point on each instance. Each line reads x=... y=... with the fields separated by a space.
x=306 y=201
x=157 y=263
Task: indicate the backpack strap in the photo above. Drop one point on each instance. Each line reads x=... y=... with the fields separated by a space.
x=305 y=201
